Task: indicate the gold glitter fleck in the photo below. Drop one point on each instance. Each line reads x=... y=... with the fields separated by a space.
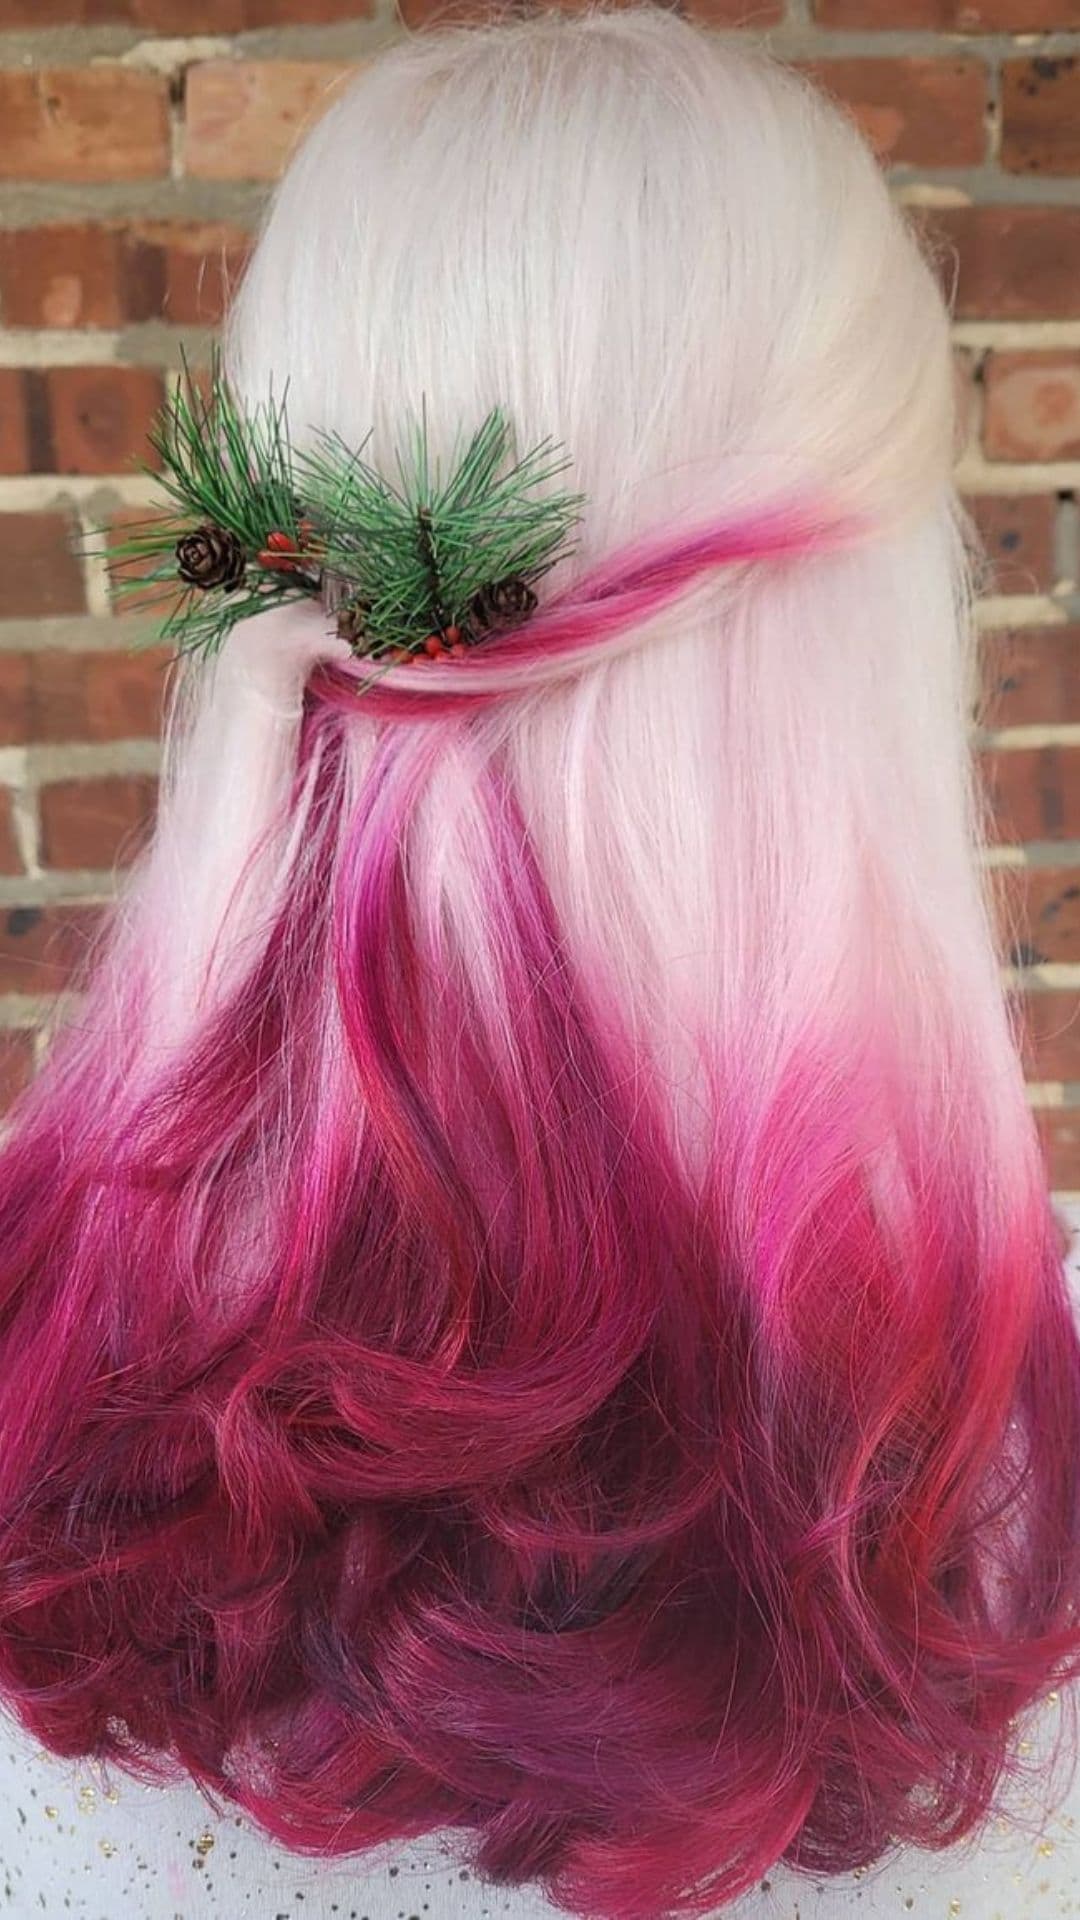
x=107 y=1848
x=87 y=1799
x=112 y=1796
x=954 y=1906
x=1046 y=1848
x=1024 y=1749
x=1053 y=1698
x=50 y=1813
x=205 y=1843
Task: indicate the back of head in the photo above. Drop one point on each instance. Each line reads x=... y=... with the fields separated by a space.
x=527 y=1296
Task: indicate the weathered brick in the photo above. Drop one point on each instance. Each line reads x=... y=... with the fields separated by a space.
x=127 y=596
x=180 y=16
x=108 y=696
x=245 y=116
x=712 y=13
x=196 y=267
x=950 y=16
x=43 y=948
x=96 y=823
x=1038 y=915
x=1017 y=533
x=1040 y=109
x=100 y=416
x=14 y=697
x=1007 y=263
x=1032 y=409
x=41 y=575
x=83 y=123
x=14 y=423
x=1051 y=1035
x=16 y=1064
x=60 y=276
x=57 y=695
x=110 y=274
x=1059 y=1131
x=1034 y=792
x=10 y=858
x=924 y=112
x=1031 y=677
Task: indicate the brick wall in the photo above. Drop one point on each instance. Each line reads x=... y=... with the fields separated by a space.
x=136 y=141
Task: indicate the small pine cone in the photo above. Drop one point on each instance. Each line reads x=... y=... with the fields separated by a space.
x=211 y=557
x=502 y=604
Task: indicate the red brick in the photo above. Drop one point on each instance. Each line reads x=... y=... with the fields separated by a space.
x=418 y=13
x=1031 y=677
x=712 y=13
x=96 y=823
x=1038 y=915
x=951 y=16
x=1008 y=263
x=232 y=16
x=1059 y=1130
x=1034 y=792
x=10 y=858
x=245 y=116
x=1032 y=409
x=43 y=948
x=14 y=697
x=925 y=112
x=1040 y=109
x=198 y=267
x=100 y=416
x=127 y=596
x=16 y=1064
x=98 y=696
x=58 y=695
x=61 y=276
x=179 y=16
x=41 y=575
x=14 y=422
x=83 y=124
x=1050 y=1025
x=1017 y=534
x=108 y=275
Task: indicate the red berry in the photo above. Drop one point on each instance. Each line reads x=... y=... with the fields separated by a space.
x=433 y=645
x=459 y=648
x=452 y=636
x=281 y=543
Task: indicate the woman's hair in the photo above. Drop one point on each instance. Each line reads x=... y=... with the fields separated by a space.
x=528 y=1300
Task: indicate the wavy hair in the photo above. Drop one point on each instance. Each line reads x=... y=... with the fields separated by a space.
x=528 y=1300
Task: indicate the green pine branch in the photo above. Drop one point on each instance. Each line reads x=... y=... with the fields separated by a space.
x=406 y=560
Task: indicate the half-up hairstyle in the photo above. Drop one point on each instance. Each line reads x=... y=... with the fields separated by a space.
x=528 y=1300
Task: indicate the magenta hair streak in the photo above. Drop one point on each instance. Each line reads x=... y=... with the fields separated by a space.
x=528 y=1298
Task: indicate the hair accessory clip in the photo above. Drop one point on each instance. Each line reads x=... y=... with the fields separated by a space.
x=421 y=568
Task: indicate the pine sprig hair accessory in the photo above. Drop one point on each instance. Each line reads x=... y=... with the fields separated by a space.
x=426 y=564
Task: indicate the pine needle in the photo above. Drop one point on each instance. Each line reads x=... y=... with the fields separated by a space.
x=401 y=560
